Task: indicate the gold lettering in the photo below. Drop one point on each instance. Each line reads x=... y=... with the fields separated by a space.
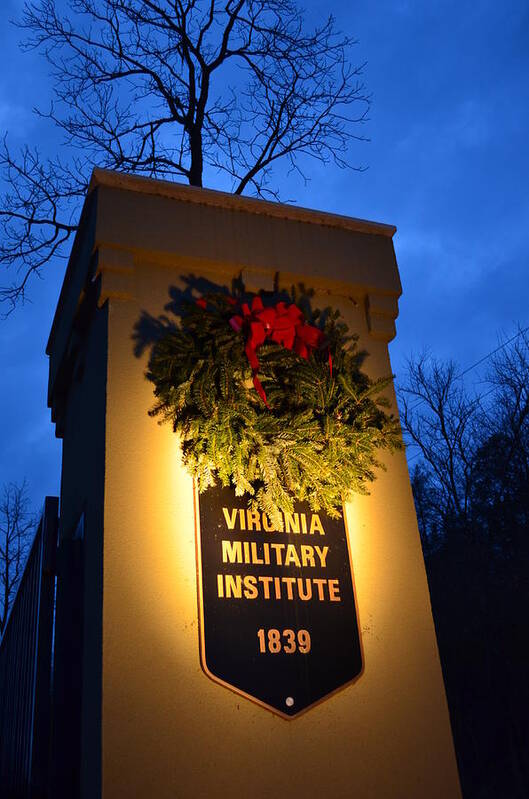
x=267 y=524
x=265 y=581
x=242 y=519
x=250 y=587
x=231 y=552
x=230 y=520
x=316 y=525
x=291 y=522
x=278 y=548
x=334 y=591
x=322 y=554
x=253 y=520
x=266 y=553
x=233 y=586
x=303 y=524
x=255 y=557
x=246 y=546
x=307 y=594
x=307 y=555
x=291 y=556
x=319 y=585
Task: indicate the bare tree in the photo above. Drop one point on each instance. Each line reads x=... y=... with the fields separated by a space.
x=500 y=495
x=17 y=525
x=174 y=88
x=439 y=419
x=509 y=377
x=473 y=472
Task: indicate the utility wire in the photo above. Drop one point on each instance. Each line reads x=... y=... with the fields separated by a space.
x=480 y=361
x=418 y=454
x=469 y=369
x=493 y=352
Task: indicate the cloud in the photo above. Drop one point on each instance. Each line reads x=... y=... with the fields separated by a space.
x=13 y=116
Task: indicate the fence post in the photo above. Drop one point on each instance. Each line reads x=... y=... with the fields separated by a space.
x=25 y=670
x=41 y=734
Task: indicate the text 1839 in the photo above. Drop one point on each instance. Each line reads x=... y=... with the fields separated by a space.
x=288 y=641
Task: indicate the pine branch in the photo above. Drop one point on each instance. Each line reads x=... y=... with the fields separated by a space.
x=317 y=441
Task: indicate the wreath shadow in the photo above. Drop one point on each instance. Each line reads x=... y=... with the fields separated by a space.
x=149 y=329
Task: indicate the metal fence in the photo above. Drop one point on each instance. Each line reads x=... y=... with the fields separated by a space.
x=26 y=670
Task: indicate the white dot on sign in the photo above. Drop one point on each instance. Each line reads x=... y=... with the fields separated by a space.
x=289 y=701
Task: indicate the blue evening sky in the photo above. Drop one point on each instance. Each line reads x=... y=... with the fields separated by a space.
x=448 y=165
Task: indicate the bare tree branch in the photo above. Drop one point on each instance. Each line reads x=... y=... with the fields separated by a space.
x=439 y=419
x=473 y=475
x=17 y=526
x=174 y=89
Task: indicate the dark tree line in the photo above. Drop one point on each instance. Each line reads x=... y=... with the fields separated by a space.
x=470 y=482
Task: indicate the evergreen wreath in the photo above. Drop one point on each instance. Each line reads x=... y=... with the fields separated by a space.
x=271 y=400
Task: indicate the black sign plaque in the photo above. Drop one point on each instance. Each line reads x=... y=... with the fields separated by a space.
x=278 y=620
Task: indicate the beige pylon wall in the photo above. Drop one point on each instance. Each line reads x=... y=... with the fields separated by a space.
x=153 y=724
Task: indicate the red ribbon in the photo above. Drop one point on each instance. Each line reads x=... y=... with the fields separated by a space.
x=283 y=324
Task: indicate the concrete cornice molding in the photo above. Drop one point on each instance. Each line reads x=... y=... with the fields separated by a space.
x=236 y=202
x=116 y=268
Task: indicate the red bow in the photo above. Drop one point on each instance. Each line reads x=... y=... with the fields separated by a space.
x=283 y=324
